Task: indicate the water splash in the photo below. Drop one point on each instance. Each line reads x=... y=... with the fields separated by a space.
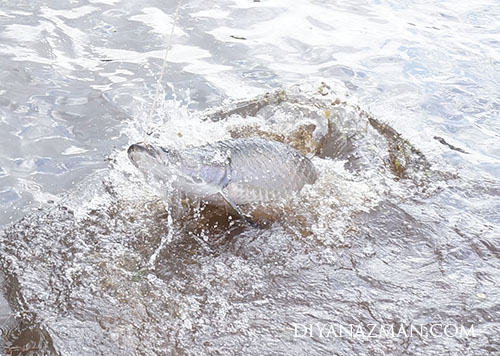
x=142 y=264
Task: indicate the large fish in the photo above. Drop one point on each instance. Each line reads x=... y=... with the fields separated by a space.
x=234 y=172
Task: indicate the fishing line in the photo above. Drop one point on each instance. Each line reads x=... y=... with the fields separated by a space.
x=149 y=131
x=149 y=121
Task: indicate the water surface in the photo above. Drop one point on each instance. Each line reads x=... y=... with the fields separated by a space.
x=398 y=230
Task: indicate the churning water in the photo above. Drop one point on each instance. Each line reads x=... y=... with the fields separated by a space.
x=397 y=104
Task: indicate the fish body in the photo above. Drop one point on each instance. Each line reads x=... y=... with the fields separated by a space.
x=262 y=170
x=240 y=171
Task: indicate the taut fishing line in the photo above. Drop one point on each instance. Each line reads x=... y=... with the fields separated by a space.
x=149 y=121
x=165 y=238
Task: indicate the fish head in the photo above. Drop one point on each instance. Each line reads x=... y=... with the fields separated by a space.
x=152 y=161
x=190 y=171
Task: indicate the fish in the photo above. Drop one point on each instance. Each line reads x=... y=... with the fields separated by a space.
x=232 y=172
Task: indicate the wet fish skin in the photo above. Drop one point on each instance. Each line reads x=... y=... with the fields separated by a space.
x=243 y=171
x=264 y=170
x=191 y=171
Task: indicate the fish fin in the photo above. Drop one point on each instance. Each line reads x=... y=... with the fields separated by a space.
x=233 y=208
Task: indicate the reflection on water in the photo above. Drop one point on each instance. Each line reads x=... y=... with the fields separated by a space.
x=392 y=232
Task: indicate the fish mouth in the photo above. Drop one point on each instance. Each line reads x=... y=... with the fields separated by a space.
x=138 y=151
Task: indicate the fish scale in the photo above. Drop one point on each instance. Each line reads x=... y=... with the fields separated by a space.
x=268 y=166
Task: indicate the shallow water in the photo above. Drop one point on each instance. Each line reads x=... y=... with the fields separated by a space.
x=398 y=229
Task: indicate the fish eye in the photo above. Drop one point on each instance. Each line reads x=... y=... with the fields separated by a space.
x=197 y=180
x=164 y=149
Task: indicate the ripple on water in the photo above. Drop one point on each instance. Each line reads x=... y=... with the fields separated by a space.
x=381 y=238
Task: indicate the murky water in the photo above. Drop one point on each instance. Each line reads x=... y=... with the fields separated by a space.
x=401 y=228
